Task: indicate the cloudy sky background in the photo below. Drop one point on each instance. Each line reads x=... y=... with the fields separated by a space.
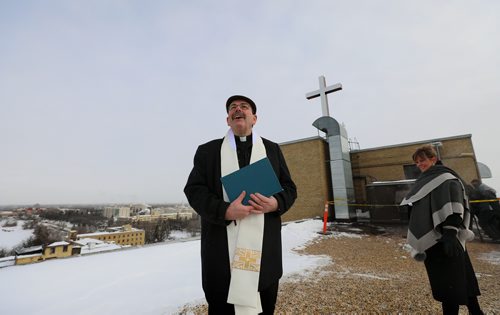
x=106 y=101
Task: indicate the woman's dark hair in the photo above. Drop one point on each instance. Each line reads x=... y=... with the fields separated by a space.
x=424 y=151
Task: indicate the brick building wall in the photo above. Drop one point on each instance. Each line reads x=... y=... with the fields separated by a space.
x=388 y=163
x=307 y=162
x=308 y=159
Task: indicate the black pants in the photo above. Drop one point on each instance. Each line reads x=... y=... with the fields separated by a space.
x=472 y=306
x=267 y=298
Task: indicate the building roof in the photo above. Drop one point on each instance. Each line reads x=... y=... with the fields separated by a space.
x=91 y=246
x=413 y=143
x=29 y=250
x=85 y=241
x=8 y=258
x=114 y=230
x=61 y=243
x=303 y=140
x=30 y=255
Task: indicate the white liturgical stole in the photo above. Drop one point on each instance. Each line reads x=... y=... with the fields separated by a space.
x=244 y=236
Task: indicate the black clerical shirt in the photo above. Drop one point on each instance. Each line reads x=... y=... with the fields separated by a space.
x=244 y=150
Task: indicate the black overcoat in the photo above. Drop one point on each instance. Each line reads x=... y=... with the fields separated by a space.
x=204 y=193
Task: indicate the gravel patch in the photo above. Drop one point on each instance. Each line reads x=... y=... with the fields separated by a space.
x=373 y=272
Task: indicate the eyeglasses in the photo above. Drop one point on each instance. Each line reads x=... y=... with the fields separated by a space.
x=242 y=106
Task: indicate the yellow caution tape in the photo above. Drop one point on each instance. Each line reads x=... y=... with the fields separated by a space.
x=331 y=202
x=483 y=200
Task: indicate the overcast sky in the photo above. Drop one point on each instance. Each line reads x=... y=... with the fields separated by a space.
x=107 y=101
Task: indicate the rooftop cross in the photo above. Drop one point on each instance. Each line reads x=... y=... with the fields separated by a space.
x=323 y=90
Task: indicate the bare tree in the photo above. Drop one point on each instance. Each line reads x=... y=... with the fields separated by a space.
x=3 y=252
x=162 y=230
x=194 y=227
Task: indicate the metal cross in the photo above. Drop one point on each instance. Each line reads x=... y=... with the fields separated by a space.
x=323 y=91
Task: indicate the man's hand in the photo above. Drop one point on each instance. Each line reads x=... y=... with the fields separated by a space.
x=238 y=211
x=263 y=203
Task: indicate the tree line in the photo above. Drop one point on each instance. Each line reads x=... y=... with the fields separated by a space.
x=88 y=222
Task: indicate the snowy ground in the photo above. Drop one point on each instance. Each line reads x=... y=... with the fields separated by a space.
x=157 y=279
x=13 y=236
x=177 y=235
x=492 y=257
x=149 y=280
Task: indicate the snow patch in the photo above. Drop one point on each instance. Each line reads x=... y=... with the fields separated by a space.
x=491 y=257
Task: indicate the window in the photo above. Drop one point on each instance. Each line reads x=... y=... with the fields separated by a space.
x=65 y=248
x=411 y=171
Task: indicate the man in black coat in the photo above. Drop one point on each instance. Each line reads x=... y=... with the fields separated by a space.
x=487 y=212
x=205 y=194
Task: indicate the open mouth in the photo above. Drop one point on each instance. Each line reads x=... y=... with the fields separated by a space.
x=238 y=116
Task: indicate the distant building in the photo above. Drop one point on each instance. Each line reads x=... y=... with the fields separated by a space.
x=138 y=207
x=117 y=212
x=39 y=253
x=91 y=246
x=7 y=261
x=6 y=214
x=24 y=211
x=78 y=244
x=58 y=250
x=28 y=258
x=125 y=235
x=29 y=255
x=185 y=215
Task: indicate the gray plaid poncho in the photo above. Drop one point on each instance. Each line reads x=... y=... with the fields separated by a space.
x=436 y=194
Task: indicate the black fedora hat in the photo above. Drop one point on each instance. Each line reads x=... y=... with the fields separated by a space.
x=243 y=98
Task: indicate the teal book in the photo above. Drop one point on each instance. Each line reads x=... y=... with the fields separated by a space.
x=258 y=177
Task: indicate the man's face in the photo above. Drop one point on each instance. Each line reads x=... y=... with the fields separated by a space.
x=240 y=118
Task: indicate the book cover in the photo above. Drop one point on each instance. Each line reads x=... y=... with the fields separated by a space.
x=258 y=177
